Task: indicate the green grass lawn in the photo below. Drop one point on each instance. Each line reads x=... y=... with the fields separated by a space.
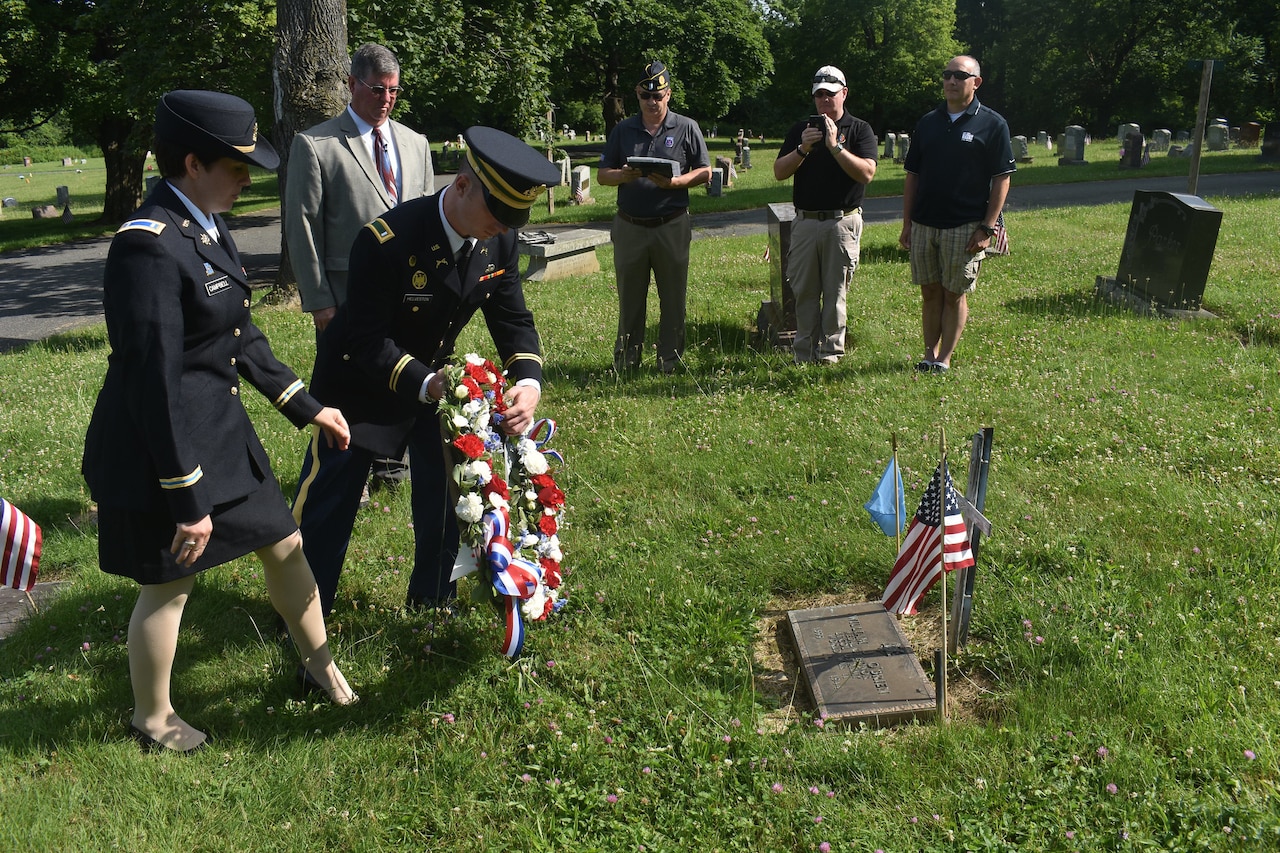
x=1119 y=691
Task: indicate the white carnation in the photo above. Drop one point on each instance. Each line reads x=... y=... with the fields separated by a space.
x=533 y=606
x=470 y=508
x=535 y=463
x=479 y=471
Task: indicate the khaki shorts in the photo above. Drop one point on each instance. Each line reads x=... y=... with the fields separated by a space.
x=938 y=256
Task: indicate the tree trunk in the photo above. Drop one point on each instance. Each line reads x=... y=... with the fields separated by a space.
x=612 y=105
x=123 y=160
x=310 y=81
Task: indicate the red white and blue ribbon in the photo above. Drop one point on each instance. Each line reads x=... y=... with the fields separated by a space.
x=541 y=433
x=514 y=579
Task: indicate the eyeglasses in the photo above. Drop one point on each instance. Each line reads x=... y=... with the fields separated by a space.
x=957 y=75
x=655 y=96
x=379 y=91
x=827 y=78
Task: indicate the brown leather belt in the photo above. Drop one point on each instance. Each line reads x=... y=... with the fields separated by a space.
x=820 y=215
x=652 y=221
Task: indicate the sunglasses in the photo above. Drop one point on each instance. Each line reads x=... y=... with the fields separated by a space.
x=827 y=78
x=654 y=96
x=957 y=75
x=379 y=91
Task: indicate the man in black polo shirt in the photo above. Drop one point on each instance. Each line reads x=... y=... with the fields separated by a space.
x=958 y=171
x=832 y=155
x=652 y=229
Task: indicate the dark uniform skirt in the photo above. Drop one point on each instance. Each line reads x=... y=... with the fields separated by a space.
x=136 y=544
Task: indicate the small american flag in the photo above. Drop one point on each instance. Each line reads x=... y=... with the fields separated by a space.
x=20 y=542
x=919 y=564
x=1000 y=242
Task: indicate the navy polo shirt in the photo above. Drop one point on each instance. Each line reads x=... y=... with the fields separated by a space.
x=679 y=139
x=819 y=183
x=955 y=162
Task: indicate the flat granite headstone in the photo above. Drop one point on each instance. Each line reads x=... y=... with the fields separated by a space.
x=858 y=665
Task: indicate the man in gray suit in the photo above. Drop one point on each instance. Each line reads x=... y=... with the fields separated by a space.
x=344 y=173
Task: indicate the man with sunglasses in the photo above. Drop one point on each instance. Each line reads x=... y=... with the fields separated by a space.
x=832 y=156
x=343 y=173
x=958 y=171
x=652 y=229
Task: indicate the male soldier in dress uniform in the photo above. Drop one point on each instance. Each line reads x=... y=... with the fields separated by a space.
x=417 y=275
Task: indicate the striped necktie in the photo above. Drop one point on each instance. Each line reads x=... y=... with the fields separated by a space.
x=382 y=161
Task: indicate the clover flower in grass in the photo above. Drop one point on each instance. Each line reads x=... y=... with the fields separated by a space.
x=777 y=787
x=1250 y=754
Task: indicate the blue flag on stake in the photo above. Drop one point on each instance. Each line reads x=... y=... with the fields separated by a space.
x=881 y=505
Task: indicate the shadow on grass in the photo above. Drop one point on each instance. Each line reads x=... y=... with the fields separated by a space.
x=232 y=677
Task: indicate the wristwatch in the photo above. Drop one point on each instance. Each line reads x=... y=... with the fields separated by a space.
x=839 y=147
x=991 y=231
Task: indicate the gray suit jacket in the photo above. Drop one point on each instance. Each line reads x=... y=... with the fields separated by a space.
x=332 y=190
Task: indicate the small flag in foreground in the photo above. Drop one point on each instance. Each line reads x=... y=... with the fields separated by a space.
x=881 y=506
x=20 y=543
x=919 y=563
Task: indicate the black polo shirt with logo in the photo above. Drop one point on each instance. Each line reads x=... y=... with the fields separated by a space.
x=954 y=162
x=820 y=183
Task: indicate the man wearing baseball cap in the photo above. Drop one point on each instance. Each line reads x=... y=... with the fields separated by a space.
x=832 y=156
x=652 y=229
x=417 y=275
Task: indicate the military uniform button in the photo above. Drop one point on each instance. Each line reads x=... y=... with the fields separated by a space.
x=233 y=361
x=246 y=303
x=236 y=332
x=235 y=392
x=415 y=309
x=346 y=356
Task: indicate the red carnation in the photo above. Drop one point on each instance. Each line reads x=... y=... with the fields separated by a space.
x=551 y=496
x=541 y=481
x=550 y=572
x=547 y=524
x=496 y=486
x=473 y=390
x=471 y=446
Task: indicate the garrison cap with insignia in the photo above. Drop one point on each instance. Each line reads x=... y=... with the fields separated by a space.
x=513 y=174
x=655 y=77
x=214 y=123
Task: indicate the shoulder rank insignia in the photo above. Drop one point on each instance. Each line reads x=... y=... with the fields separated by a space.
x=380 y=230
x=149 y=225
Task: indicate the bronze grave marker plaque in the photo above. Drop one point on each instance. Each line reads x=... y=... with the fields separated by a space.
x=859 y=666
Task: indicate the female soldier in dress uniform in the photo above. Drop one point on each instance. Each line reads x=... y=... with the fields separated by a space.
x=181 y=481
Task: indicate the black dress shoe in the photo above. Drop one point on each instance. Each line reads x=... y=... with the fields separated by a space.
x=148 y=744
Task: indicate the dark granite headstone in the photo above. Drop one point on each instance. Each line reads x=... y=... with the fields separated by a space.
x=777 y=319
x=858 y=665
x=1271 y=141
x=1131 y=157
x=1168 y=248
x=1250 y=133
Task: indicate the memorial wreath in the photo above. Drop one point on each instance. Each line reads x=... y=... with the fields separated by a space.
x=509 y=506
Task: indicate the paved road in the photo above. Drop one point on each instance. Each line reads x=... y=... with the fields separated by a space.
x=58 y=289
